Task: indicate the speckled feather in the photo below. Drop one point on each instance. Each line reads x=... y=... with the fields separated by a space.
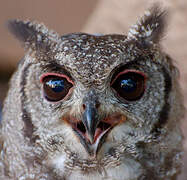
x=39 y=144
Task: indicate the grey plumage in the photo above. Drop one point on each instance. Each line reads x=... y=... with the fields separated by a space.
x=94 y=129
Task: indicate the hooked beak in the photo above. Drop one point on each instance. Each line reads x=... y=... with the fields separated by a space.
x=93 y=128
x=90 y=121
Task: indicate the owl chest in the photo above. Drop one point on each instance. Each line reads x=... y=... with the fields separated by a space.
x=127 y=170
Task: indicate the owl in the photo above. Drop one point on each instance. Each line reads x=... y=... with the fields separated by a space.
x=92 y=107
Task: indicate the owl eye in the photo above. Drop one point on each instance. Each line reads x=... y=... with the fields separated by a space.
x=56 y=87
x=129 y=85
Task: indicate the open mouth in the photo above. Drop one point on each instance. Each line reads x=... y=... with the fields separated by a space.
x=102 y=128
x=93 y=143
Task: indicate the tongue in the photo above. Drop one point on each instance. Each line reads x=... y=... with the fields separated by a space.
x=98 y=132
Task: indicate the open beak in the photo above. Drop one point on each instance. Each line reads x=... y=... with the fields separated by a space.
x=93 y=128
x=90 y=121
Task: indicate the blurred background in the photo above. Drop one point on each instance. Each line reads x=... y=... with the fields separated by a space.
x=93 y=16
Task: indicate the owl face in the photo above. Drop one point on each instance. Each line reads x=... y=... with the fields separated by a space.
x=101 y=100
x=95 y=90
x=96 y=104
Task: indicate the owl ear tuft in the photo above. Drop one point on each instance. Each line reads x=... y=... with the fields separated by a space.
x=32 y=34
x=150 y=28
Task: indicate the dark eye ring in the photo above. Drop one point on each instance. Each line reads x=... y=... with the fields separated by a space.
x=56 y=86
x=129 y=84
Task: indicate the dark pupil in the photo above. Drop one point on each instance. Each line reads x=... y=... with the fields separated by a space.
x=128 y=85
x=57 y=85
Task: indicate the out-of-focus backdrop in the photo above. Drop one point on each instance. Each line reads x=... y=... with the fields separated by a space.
x=93 y=16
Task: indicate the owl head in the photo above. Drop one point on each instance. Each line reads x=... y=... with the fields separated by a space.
x=100 y=103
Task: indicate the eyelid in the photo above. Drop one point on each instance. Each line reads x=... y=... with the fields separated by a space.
x=127 y=71
x=56 y=74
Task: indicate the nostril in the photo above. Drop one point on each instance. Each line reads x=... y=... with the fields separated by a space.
x=84 y=106
x=97 y=105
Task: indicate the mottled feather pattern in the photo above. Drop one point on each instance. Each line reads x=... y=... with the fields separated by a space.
x=137 y=138
x=150 y=28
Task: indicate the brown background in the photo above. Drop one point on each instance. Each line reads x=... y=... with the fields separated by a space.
x=93 y=16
